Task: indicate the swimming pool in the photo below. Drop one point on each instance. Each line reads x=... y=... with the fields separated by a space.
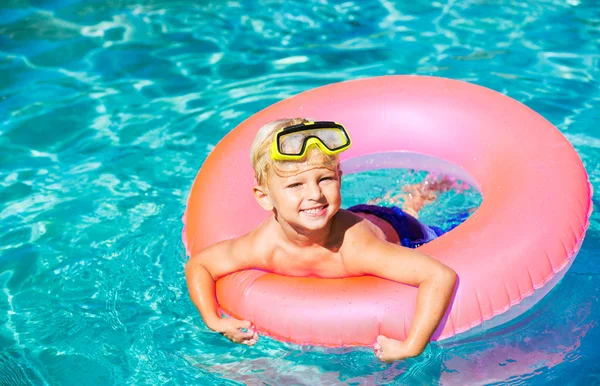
x=108 y=109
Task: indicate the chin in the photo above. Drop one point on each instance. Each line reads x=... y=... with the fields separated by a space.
x=314 y=226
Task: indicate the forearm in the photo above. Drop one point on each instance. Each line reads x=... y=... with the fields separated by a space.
x=201 y=287
x=433 y=298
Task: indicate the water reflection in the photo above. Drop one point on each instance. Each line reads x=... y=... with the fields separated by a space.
x=527 y=349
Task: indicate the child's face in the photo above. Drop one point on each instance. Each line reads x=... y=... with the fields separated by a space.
x=309 y=198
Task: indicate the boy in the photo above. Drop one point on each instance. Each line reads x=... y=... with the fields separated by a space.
x=298 y=178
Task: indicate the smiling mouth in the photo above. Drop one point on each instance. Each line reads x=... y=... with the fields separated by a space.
x=315 y=211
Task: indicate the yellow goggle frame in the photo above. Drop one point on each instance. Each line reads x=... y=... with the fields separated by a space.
x=331 y=137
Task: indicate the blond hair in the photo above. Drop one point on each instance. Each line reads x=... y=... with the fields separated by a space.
x=260 y=151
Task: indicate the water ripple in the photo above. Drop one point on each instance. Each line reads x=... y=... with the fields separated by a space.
x=109 y=108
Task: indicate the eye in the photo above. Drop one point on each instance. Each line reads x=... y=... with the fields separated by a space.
x=327 y=179
x=294 y=185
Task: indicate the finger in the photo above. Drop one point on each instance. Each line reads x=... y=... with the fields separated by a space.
x=382 y=356
x=235 y=339
x=238 y=336
x=385 y=359
x=249 y=342
x=240 y=339
x=245 y=329
x=246 y=334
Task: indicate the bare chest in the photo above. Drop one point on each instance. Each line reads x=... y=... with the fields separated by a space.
x=308 y=263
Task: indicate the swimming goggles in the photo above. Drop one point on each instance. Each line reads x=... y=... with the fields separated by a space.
x=291 y=143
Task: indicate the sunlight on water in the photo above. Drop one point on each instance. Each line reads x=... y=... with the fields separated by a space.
x=109 y=108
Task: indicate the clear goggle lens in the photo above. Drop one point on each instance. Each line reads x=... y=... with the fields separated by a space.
x=295 y=143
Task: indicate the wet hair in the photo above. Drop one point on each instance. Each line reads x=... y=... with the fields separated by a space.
x=260 y=152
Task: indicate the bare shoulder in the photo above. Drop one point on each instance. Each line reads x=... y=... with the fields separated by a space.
x=357 y=227
x=261 y=241
x=360 y=236
x=228 y=256
x=217 y=259
x=356 y=232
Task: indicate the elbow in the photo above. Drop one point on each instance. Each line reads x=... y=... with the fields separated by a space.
x=454 y=279
x=190 y=269
x=190 y=265
x=449 y=277
x=193 y=267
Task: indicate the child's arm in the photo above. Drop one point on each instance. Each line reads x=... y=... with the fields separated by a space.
x=435 y=281
x=202 y=271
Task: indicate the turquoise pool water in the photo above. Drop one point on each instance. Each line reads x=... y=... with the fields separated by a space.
x=108 y=109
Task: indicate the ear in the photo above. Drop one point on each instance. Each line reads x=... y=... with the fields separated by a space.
x=262 y=197
x=340 y=173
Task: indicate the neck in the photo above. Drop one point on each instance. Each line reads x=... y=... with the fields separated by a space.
x=304 y=237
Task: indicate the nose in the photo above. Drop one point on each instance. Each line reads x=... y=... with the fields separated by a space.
x=313 y=192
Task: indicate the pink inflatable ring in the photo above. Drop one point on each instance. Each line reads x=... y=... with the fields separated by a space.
x=517 y=245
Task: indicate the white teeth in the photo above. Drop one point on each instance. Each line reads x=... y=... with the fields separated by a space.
x=312 y=211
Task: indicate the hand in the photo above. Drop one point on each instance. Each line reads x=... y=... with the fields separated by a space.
x=389 y=350
x=233 y=328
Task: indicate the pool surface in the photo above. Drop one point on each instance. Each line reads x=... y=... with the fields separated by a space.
x=109 y=108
